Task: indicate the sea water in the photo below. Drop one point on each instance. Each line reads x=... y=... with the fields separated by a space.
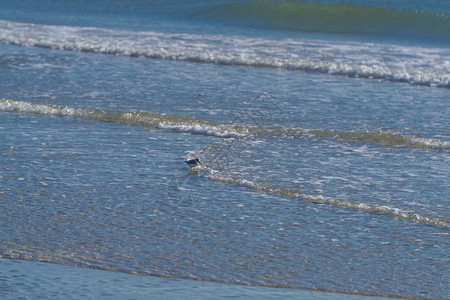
x=322 y=128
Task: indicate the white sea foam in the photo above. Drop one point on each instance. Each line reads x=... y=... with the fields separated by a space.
x=218 y=176
x=153 y=120
x=415 y=65
x=427 y=142
x=217 y=131
x=193 y=125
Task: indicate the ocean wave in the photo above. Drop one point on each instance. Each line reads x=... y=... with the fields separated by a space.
x=414 y=65
x=186 y=124
x=385 y=138
x=335 y=18
x=176 y=123
x=221 y=177
x=382 y=138
x=208 y=128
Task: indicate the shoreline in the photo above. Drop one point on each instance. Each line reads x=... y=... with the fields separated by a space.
x=29 y=279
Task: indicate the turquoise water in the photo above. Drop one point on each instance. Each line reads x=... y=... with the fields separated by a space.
x=324 y=145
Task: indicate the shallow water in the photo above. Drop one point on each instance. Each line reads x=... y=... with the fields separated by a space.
x=325 y=156
x=31 y=280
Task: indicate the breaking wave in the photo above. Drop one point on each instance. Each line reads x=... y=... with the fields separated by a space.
x=152 y=120
x=365 y=207
x=336 y=18
x=414 y=65
x=199 y=126
x=383 y=138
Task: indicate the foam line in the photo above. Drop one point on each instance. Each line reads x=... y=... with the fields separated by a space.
x=199 y=126
x=175 y=123
x=414 y=65
x=357 y=206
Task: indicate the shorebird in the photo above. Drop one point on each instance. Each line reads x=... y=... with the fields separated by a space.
x=193 y=163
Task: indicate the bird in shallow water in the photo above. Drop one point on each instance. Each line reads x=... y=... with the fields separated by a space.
x=193 y=163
